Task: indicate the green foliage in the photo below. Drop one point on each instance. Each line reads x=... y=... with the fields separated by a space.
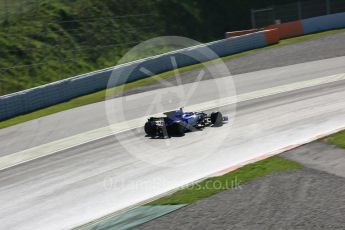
x=47 y=40
x=64 y=38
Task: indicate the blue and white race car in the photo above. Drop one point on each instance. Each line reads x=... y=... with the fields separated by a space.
x=176 y=123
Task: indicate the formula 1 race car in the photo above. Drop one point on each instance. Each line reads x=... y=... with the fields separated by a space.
x=176 y=123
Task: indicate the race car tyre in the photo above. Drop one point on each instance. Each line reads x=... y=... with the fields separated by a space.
x=217 y=118
x=177 y=129
x=149 y=129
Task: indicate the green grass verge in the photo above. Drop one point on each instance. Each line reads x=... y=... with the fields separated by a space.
x=100 y=96
x=232 y=180
x=337 y=139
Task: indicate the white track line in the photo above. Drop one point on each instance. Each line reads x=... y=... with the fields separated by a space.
x=97 y=134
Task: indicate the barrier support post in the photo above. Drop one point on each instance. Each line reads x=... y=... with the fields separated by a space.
x=328 y=7
x=299 y=8
x=253 y=19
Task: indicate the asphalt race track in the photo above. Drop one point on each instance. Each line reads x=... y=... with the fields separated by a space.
x=74 y=186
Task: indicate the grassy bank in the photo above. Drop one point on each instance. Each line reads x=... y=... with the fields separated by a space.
x=232 y=180
x=100 y=96
x=337 y=139
x=43 y=41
